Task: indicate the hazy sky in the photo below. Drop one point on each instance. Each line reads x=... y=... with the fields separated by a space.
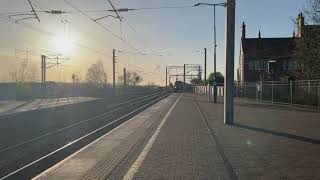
x=179 y=35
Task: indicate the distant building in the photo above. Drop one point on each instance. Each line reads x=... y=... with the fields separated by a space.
x=270 y=58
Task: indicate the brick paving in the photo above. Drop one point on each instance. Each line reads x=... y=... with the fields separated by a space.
x=99 y=159
x=183 y=149
x=272 y=147
x=265 y=144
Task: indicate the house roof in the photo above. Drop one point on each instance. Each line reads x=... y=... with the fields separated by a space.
x=267 y=48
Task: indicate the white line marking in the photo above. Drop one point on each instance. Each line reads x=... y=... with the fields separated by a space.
x=72 y=142
x=70 y=126
x=77 y=152
x=135 y=166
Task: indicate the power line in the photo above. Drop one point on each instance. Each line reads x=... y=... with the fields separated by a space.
x=81 y=29
x=114 y=10
x=46 y=33
x=76 y=27
x=143 y=8
x=163 y=7
x=27 y=15
x=34 y=28
x=130 y=26
x=99 y=24
x=121 y=18
x=34 y=12
x=59 y=12
x=109 y=10
x=138 y=53
x=62 y=19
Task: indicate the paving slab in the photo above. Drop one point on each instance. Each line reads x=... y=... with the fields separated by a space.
x=185 y=138
x=170 y=140
x=183 y=149
x=268 y=143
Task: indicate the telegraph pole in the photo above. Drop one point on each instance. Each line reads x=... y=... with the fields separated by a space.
x=43 y=69
x=43 y=74
x=229 y=63
x=205 y=66
x=199 y=73
x=166 y=76
x=214 y=56
x=215 y=43
x=114 y=68
x=184 y=77
x=124 y=77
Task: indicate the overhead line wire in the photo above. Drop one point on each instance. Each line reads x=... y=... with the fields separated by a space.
x=103 y=27
x=47 y=33
x=78 y=28
x=109 y=10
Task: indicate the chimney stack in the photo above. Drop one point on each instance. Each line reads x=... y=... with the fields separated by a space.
x=260 y=43
x=243 y=30
x=300 y=25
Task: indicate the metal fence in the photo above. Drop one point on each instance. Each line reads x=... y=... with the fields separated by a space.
x=208 y=90
x=293 y=93
x=298 y=93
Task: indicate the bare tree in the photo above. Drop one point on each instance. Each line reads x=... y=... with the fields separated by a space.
x=306 y=51
x=133 y=78
x=33 y=72
x=312 y=11
x=23 y=72
x=96 y=75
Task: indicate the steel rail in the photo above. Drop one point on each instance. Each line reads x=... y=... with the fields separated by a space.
x=70 y=126
x=85 y=136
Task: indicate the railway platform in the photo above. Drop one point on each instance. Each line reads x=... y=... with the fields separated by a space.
x=184 y=137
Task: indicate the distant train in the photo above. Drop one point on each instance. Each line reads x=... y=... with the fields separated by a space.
x=178 y=87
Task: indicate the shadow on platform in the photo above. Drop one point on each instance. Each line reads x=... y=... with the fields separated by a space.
x=277 y=133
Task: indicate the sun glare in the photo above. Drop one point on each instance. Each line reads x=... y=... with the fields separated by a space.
x=63 y=45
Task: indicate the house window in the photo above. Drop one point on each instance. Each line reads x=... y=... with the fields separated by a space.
x=251 y=65
x=285 y=65
x=290 y=65
x=263 y=65
x=257 y=65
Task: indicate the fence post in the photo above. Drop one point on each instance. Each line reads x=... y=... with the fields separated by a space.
x=291 y=95
x=272 y=92
x=235 y=84
x=245 y=91
x=209 y=90
x=318 y=94
x=309 y=89
x=257 y=91
x=261 y=91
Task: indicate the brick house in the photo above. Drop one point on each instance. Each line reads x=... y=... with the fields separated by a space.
x=269 y=58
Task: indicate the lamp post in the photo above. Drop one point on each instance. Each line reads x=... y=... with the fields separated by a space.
x=229 y=62
x=214 y=45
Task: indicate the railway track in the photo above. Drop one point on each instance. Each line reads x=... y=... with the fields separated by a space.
x=27 y=158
